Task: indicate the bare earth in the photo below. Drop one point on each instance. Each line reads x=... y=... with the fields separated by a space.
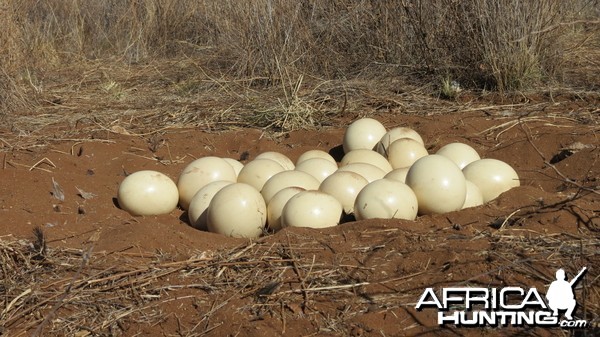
x=106 y=273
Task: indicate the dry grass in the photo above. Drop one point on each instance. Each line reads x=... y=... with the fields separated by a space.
x=151 y=99
x=482 y=44
x=79 y=292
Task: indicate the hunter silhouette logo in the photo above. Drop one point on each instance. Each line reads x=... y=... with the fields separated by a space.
x=560 y=294
x=514 y=306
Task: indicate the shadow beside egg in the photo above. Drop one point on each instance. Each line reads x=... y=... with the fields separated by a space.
x=337 y=153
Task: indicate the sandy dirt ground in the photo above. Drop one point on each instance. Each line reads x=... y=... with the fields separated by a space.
x=107 y=273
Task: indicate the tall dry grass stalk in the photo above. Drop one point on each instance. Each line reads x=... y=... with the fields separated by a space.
x=10 y=57
x=506 y=44
x=519 y=50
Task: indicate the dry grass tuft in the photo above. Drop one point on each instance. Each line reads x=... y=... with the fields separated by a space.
x=290 y=109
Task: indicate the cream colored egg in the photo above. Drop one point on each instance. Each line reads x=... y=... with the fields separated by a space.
x=363 y=133
x=315 y=154
x=199 y=204
x=317 y=167
x=366 y=156
x=237 y=210
x=474 y=197
x=368 y=171
x=404 y=152
x=438 y=183
x=313 y=209
x=275 y=206
x=398 y=174
x=461 y=154
x=257 y=172
x=286 y=179
x=395 y=134
x=344 y=186
x=281 y=158
x=236 y=164
x=492 y=176
x=201 y=172
x=386 y=199
x=147 y=193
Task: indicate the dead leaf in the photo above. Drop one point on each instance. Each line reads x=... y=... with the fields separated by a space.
x=94 y=237
x=84 y=195
x=82 y=333
x=57 y=191
x=119 y=129
x=577 y=146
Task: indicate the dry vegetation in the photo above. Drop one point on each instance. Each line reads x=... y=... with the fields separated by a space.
x=72 y=292
x=139 y=67
x=504 y=45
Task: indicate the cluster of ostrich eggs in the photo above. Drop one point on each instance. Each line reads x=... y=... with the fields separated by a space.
x=383 y=174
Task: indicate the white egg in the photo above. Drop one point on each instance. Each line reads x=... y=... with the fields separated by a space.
x=257 y=172
x=474 y=197
x=363 y=133
x=344 y=186
x=368 y=171
x=237 y=210
x=404 y=152
x=492 y=176
x=386 y=199
x=317 y=167
x=313 y=209
x=236 y=164
x=461 y=154
x=398 y=174
x=275 y=206
x=366 y=156
x=147 y=193
x=199 y=173
x=438 y=183
x=282 y=159
x=315 y=154
x=199 y=204
x=286 y=179
x=395 y=134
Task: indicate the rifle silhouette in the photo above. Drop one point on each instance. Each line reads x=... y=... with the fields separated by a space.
x=576 y=278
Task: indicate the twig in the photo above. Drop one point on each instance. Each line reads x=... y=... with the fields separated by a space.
x=9 y=306
x=28 y=310
x=13 y=164
x=557 y=171
x=553 y=27
x=82 y=140
x=73 y=147
x=7 y=143
x=492 y=107
x=507 y=218
x=315 y=289
x=43 y=160
x=297 y=271
x=510 y=124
